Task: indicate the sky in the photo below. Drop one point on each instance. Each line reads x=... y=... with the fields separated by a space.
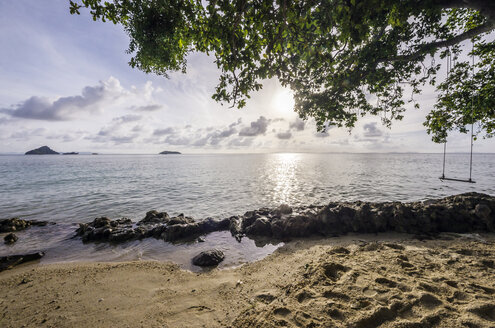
x=65 y=82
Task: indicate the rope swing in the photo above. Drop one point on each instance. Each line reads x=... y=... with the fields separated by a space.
x=443 y=177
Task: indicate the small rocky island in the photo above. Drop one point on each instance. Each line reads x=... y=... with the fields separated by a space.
x=168 y=152
x=44 y=150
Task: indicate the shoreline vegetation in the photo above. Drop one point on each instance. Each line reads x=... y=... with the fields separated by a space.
x=344 y=264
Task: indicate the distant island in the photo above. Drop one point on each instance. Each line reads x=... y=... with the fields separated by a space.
x=167 y=152
x=44 y=150
x=71 y=153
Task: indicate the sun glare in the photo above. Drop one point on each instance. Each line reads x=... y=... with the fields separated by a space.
x=283 y=101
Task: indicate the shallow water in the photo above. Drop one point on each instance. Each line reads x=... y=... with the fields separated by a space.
x=71 y=189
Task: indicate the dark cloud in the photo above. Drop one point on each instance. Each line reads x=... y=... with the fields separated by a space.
x=216 y=136
x=297 y=125
x=226 y=133
x=105 y=131
x=200 y=142
x=137 y=128
x=127 y=118
x=65 y=108
x=163 y=132
x=284 y=135
x=371 y=130
x=239 y=121
x=256 y=128
x=323 y=134
x=147 y=108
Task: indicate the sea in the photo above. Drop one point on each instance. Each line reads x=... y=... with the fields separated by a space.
x=72 y=189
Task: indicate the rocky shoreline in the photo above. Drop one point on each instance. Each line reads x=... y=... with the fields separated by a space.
x=469 y=212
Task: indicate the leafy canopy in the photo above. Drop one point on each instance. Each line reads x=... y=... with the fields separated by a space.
x=342 y=58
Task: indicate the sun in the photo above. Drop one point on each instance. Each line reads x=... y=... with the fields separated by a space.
x=283 y=101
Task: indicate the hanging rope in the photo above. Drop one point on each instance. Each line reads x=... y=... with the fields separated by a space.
x=448 y=91
x=449 y=68
x=472 y=118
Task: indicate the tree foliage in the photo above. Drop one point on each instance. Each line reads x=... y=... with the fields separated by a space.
x=342 y=58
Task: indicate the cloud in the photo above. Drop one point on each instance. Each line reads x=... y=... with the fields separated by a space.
x=284 y=135
x=323 y=134
x=163 y=132
x=66 y=108
x=118 y=131
x=123 y=139
x=239 y=121
x=297 y=125
x=27 y=134
x=257 y=128
x=147 y=108
x=217 y=135
x=137 y=128
x=371 y=131
x=127 y=118
x=200 y=142
x=177 y=141
x=240 y=142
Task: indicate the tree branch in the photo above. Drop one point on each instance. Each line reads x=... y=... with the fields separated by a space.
x=485 y=7
x=428 y=47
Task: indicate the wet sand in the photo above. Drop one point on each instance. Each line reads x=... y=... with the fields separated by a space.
x=384 y=280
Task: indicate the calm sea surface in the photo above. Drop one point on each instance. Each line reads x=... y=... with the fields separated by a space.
x=71 y=189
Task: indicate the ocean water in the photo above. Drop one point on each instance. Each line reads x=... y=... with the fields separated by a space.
x=72 y=189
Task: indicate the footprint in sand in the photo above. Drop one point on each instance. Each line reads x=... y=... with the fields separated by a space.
x=483 y=310
x=304 y=296
x=334 y=271
x=335 y=295
x=429 y=301
x=386 y=282
x=369 y=292
x=282 y=311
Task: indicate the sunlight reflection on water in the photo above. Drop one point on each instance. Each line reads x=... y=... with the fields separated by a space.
x=71 y=189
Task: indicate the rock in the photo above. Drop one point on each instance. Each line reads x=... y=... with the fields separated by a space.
x=285 y=209
x=154 y=217
x=210 y=224
x=483 y=211
x=260 y=227
x=105 y=229
x=16 y=224
x=180 y=219
x=44 y=150
x=464 y=213
x=8 y=262
x=182 y=231
x=10 y=238
x=208 y=258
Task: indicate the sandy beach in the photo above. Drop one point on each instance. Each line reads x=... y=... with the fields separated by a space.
x=384 y=280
